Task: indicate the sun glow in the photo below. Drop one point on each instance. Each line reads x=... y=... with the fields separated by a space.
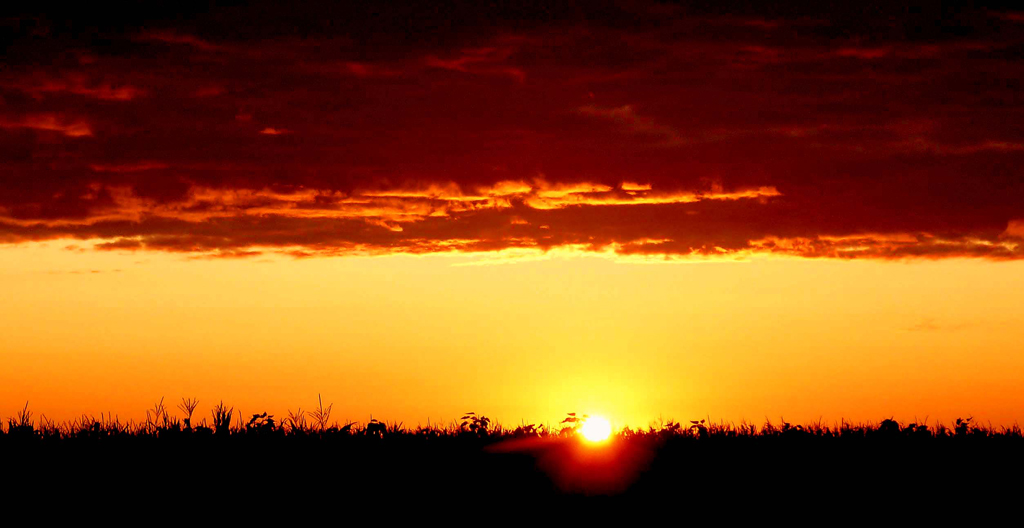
x=596 y=429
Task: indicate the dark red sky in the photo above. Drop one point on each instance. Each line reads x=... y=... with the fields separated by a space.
x=877 y=130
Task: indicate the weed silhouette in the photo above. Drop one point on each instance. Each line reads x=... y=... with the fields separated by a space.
x=321 y=415
x=188 y=406
x=222 y=419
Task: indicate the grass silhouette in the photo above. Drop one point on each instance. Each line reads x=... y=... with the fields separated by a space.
x=160 y=423
x=307 y=457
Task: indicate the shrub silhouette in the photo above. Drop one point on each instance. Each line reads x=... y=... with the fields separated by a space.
x=375 y=428
x=261 y=423
x=476 y=425
x=574 y=423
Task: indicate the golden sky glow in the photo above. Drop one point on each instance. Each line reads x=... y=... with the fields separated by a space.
x=629 y=209
x=412 y=338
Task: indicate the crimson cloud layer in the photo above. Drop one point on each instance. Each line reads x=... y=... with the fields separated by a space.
x=873 y=131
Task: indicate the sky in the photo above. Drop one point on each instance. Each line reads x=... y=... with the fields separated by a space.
x=637 y=209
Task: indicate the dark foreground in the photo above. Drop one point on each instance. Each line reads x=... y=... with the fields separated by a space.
x=276 y=474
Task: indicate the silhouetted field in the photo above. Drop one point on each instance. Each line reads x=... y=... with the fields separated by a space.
x=247 y=464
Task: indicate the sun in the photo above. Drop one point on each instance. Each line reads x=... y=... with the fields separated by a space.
x=596 y=429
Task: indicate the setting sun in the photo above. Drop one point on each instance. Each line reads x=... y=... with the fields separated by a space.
x=596 y=429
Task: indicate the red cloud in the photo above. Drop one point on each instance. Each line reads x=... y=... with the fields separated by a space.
x=626 y=116
x=171 y=37
x=52 y=123
x=485 y=61
x=640 y=132
x=863 y=53
x=78 y=84
x=1015 y=229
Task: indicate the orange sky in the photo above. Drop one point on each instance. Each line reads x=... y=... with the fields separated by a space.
x=640 y=209
x=415 y=337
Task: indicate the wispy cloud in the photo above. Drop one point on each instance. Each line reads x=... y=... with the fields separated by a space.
x=480 y=61
x=40 y=86
x=184 y=39
x=50 y=123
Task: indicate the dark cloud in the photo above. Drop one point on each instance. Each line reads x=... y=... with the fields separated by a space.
x=865 y=130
